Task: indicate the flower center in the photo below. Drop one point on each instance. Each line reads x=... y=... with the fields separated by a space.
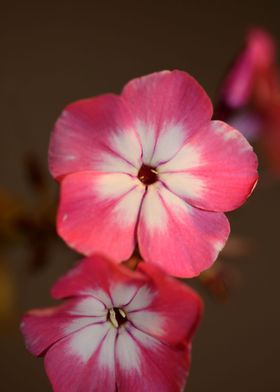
x=147 y=174
x=117 y=317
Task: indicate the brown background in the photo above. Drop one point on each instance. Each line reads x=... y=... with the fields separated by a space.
x=55 y=52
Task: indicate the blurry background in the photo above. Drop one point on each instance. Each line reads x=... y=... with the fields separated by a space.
x=55 y=52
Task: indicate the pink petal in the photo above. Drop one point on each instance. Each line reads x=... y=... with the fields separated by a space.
x=98 y=277
x=44 y=327
x=165 y=317
x=238 y=85
x=167 y=108
x=144 y=364
x=98 y=213
x=94 y=134
x=215 y=171
x=83 y=362
x=262 y=47
x=257 y=56
x=181 y=239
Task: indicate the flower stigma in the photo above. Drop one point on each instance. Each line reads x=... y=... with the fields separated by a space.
x=117 y=317
x=148 y=175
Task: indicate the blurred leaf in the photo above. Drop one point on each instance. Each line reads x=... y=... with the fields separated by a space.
x=7 y=296
x=10 y=206
x=11 y=209
x=36 y=176
x=236 y=246
x=215 y=281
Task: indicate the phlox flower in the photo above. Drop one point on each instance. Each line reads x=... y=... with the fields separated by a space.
x=249 y=98
x=150 y=168
x=117 y=331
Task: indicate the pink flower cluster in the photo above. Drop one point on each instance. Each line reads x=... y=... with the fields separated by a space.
x=147 y=169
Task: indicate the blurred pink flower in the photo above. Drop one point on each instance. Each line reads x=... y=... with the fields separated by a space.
x=250 y=95
x=253 y=67
x=119 y=330
x=150 y=168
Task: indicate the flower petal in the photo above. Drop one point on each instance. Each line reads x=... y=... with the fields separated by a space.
x=83 y=361
x=167 y=108
x=94 y=134
x=98 y=213
x=44 y=327
x=181 y=239
x=215 y=171
x=166 y=318
x=97 y=277
x=142 y=299
x=144 y=364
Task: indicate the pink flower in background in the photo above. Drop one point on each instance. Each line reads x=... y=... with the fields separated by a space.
x=250 y=95
x=118 y=330
x=253 y=75
x=148 y=167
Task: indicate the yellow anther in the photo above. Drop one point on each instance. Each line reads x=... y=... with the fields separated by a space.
x=122 y=313
x=113 y=319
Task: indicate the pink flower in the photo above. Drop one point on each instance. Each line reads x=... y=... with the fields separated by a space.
x=119 y=330
x=253 y=75
x=150 y=168
x=250 y=95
